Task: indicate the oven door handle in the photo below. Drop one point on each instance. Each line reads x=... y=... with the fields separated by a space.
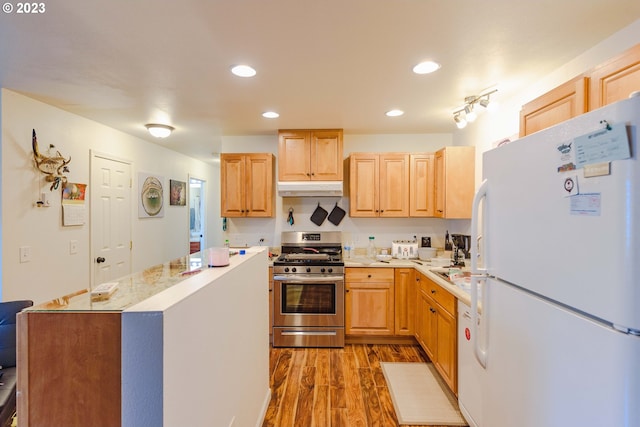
x=298 y=280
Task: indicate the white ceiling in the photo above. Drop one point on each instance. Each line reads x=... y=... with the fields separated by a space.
x=320 y=63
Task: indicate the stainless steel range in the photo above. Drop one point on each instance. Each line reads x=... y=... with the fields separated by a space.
x=308 y=286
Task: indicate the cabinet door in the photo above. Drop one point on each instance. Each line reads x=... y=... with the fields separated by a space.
x=421 y=185
x=454 y=182
x=439 y=188
x=446 y=348
x=271 y=303
x=259 y=185
x=615 y=79
x=364 y=176
x=294 y=155
x=232 y=185
x=560 y=104
x=427 y=324
x=326 y=155
x=369 y=309
x=405 y=301
x=394 y=185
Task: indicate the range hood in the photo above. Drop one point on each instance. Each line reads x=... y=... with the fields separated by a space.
x=310 y=188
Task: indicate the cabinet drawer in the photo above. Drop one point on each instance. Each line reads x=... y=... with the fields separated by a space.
x=365 y=275
x=440 y=295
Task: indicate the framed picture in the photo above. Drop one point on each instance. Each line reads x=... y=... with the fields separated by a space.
x=151 y=199
x=177 y=193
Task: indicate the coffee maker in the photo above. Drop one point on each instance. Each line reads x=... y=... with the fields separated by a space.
x=461 y=248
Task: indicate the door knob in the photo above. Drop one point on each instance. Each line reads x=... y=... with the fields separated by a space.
x=100 y=259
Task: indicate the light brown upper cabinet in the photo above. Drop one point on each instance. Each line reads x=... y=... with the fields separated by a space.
x=379 y=185
x=609 y=82
x=562 y=103
x=246 y=185
x=615 y=79
x=454 y=182
x=310 y=155
x=421 y=185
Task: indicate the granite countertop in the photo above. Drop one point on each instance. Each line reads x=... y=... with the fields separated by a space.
x=424 y=267
x=137 y=287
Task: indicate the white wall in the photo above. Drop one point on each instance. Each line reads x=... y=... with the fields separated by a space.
x=242 y=231
x=53 y=272
x=490 y=128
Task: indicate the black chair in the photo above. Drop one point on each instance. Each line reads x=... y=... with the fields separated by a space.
x=8 y=311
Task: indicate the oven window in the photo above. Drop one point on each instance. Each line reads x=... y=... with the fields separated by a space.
x=310 y=298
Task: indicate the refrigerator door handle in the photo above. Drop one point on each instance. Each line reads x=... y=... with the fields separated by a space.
x=479 y=349
x=479 y=248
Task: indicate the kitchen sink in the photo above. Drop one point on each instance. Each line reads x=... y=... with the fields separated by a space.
x=445 y=274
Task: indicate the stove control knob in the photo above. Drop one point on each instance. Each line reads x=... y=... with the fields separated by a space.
x=293 y=270
x=308 y=269
x=322 y=270
x=330 y=270
x=286 y=269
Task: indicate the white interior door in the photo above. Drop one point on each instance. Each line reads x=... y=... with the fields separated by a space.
x=110 y=218
x=197 y=215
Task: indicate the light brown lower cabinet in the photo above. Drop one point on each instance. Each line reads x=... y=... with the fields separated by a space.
x=436 y=328
x=271 y=304
x=405 y=296
x=369 y=301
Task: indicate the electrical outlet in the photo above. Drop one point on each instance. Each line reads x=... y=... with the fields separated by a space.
x=73 y=247
x=25 y=253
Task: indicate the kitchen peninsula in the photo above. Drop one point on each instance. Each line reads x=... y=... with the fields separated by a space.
x=178 y=344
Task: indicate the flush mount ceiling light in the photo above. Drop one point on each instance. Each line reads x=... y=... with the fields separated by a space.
x=270 y=115
x=426 y=67
x=158 y=130
x=394 y=113
x=468 y=109
x=243 y=71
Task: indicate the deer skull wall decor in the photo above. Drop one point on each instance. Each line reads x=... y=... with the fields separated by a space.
x=53 y=166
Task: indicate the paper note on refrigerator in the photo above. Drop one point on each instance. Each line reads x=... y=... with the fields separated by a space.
x=586 y=204
x=604 y=145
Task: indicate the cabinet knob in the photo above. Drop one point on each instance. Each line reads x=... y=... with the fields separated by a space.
x=369 y=276
x=433 y=291
x=432 y=310
x=346 y=290
x=100 y=260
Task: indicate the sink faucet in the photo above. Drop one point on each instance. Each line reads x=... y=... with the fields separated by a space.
x=458 y=258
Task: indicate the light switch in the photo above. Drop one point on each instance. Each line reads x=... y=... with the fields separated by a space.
x=73 y=247
x=25 y=253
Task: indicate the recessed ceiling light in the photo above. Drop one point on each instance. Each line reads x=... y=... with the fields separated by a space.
x=243 y=71
x=394 y=113
x=426 y=67
x=270 y=115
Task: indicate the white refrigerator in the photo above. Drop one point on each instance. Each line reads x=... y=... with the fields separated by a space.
x=556 y=223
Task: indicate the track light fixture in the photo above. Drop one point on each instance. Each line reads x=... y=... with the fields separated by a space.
x=468 y=109
x=460 y=122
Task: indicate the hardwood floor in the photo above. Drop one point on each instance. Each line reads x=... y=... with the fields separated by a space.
x=320 y=387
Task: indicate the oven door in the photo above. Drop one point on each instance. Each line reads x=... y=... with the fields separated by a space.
x=301 y=300
x=308 y=311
